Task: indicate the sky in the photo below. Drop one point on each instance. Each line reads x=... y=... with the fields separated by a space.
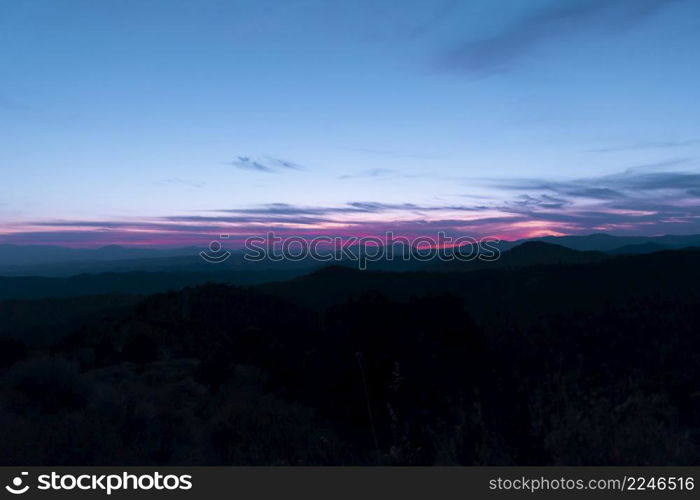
x=168 y=122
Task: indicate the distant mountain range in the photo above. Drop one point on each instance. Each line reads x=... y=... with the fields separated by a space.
x=57 y=261
x=608 y=243
x=530 y=254
x=31 y=255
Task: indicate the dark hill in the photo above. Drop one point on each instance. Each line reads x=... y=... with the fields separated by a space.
x=529 y=253
x=533 y=253
x=135 y=283
x=131 y=282
x=638 y=249
x=529 y=365
x=507 y=291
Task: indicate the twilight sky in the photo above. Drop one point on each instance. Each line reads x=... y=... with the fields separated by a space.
x=169 y=121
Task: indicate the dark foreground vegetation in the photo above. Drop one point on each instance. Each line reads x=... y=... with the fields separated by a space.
x=595 y=363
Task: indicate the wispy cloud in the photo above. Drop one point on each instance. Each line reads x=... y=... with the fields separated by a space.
x=372 y=172
x=632 y=183
x=646 y=145
x=284 y=210
x=640 y=200
x=560 y=20
x=635 y=200
x=265 y=164
x=541 y=201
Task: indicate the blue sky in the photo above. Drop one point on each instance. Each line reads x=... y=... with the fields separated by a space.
x=162 y=121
